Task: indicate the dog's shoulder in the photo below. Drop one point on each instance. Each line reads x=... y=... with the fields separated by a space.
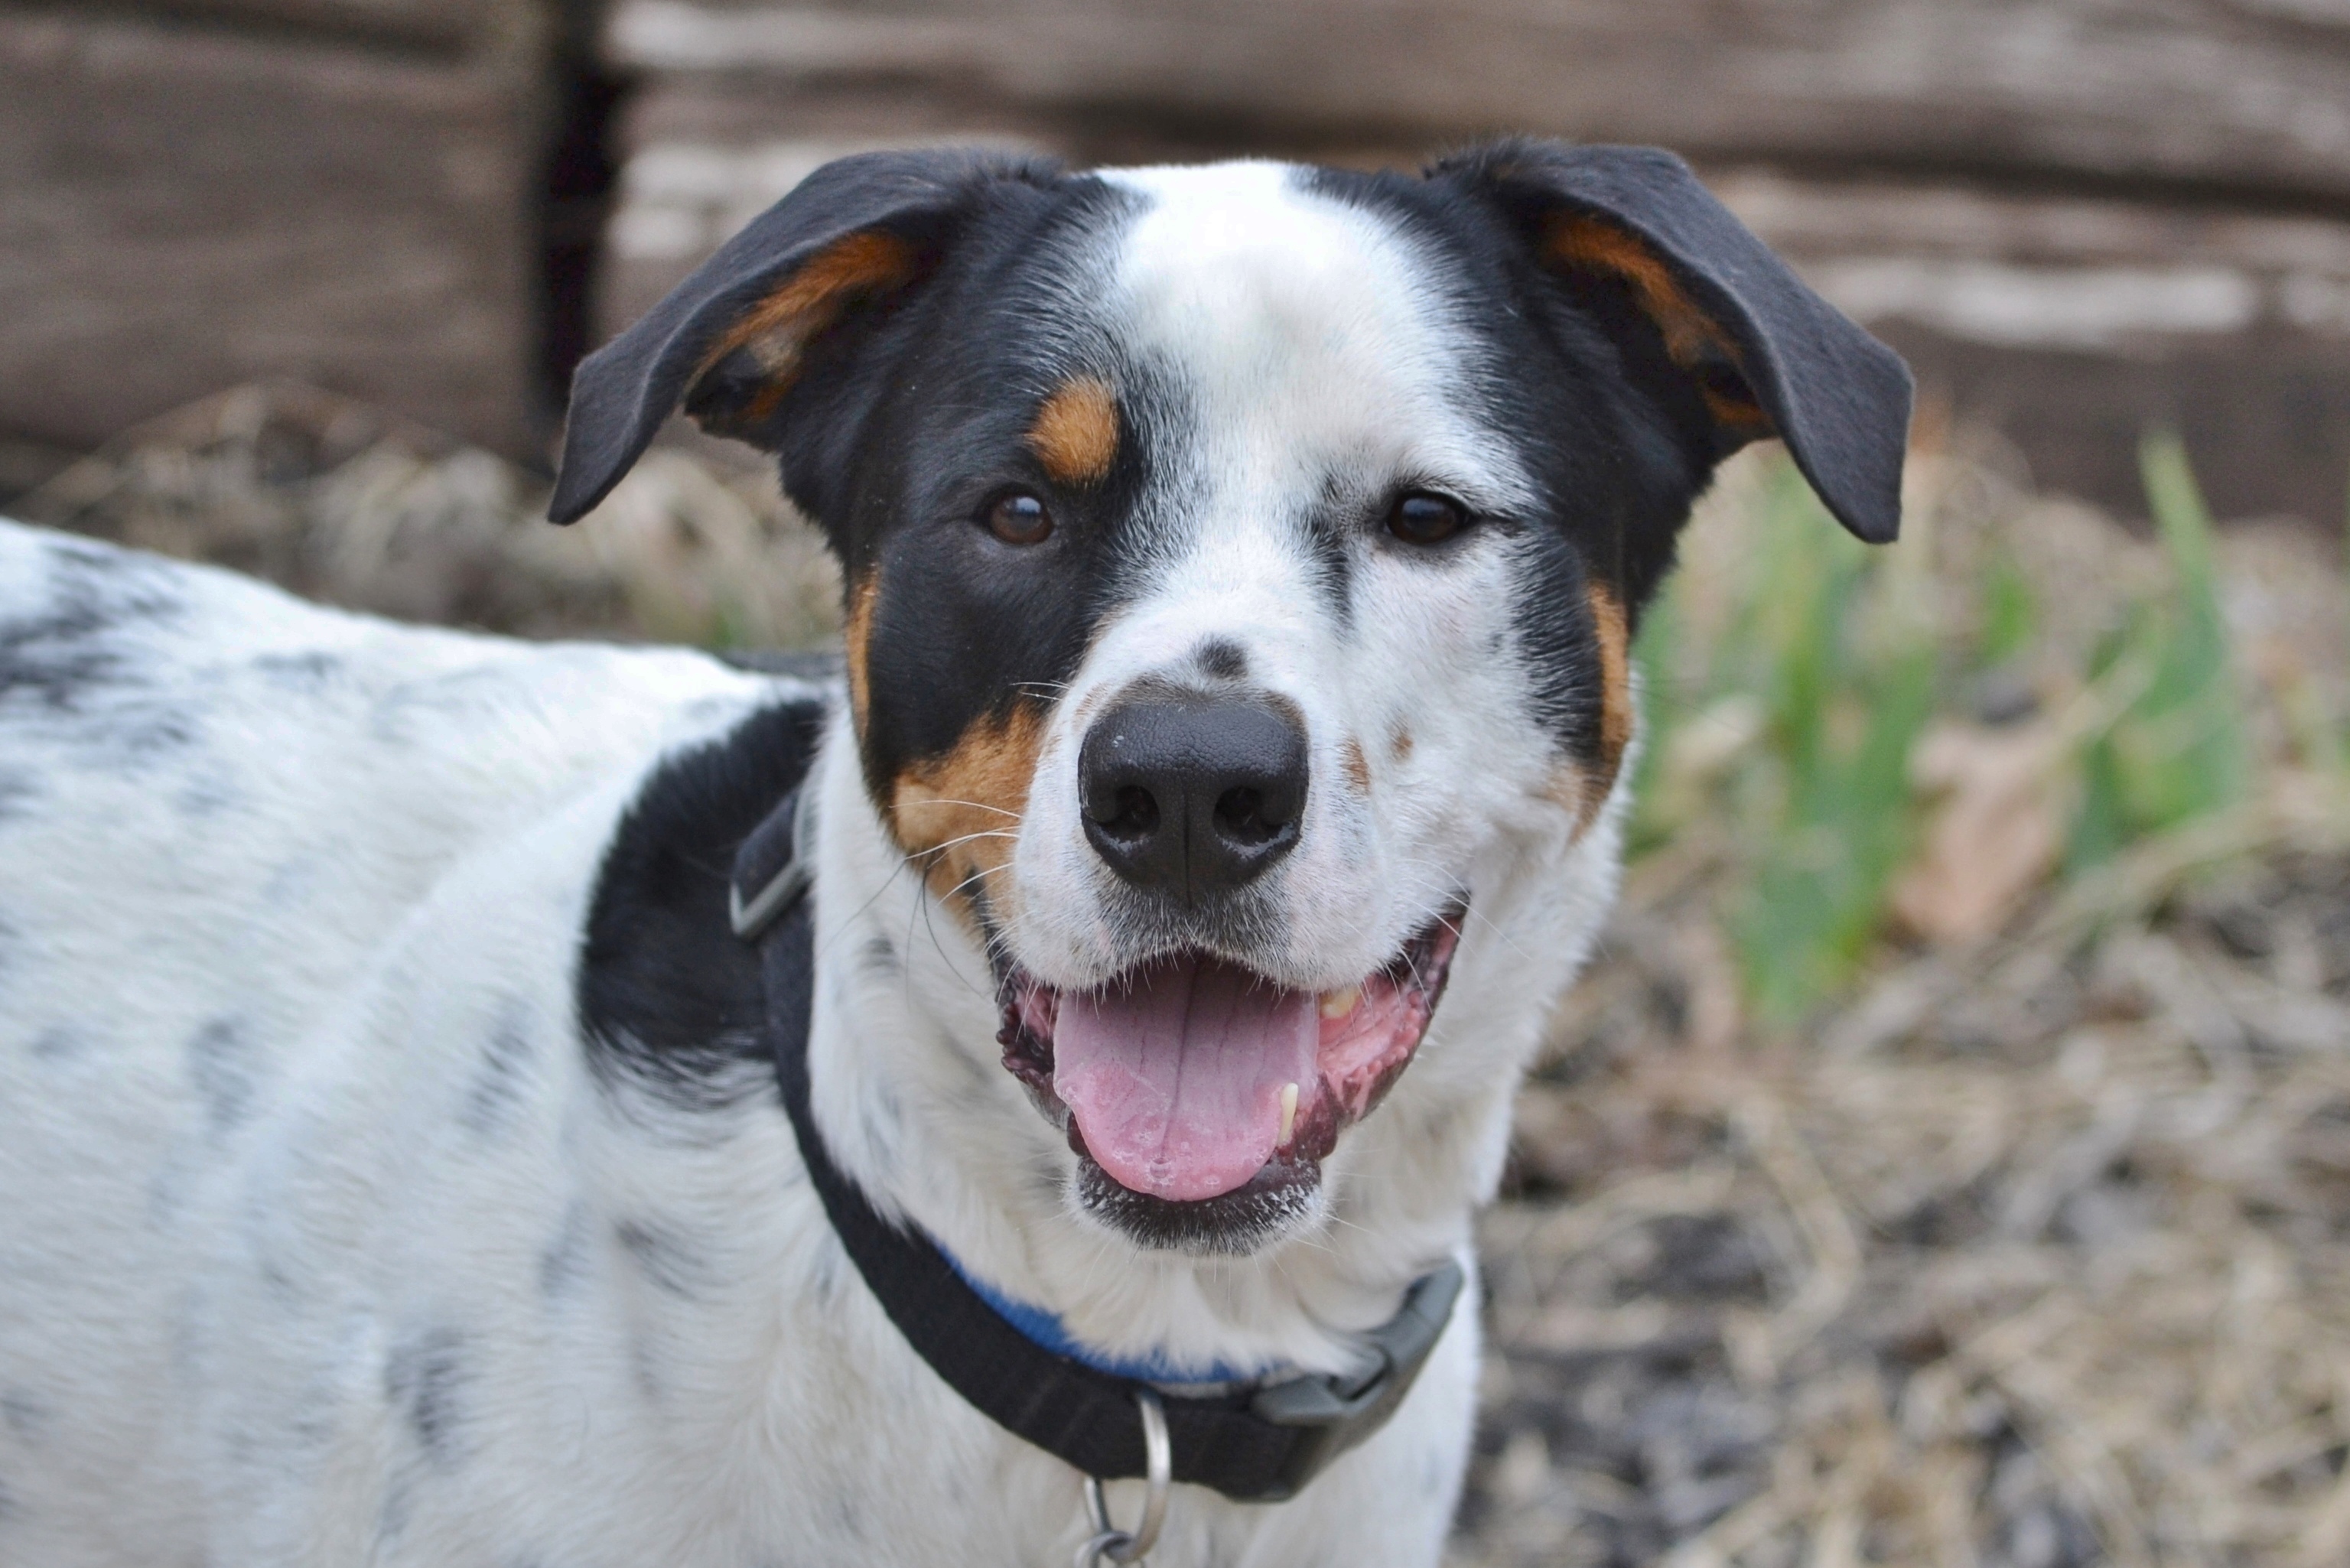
x=668 y=1000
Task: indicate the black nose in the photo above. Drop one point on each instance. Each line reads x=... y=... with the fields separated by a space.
x=1192 y=795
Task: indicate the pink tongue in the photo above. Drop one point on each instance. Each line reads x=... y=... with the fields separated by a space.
x=1175 y=1076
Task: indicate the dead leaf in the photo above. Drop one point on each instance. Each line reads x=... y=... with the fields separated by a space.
x=1994 y=836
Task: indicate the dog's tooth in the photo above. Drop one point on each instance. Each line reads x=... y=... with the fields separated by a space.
x=1288 y=1113
x=1339 y=1003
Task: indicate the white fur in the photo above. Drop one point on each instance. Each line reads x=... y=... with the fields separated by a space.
x=262 y=922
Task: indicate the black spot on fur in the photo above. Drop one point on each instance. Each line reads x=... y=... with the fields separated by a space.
x=1223 y=659
x=57 y=657
x=502 y=1080
x=143 y=731
x=563 y=1266
x=300 y=670
x=17 y=795
x=219 y=1062
x=424 y=1380
x=879 y=957
x=1333 y=524
x=669 y=997
x=25 y=1414
x=644 y=1367
x=207 y=795
x=54 y=659
x=661 y=1255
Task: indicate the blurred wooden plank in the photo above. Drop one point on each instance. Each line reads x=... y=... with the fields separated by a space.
x=184 y=210
x=2073 y=325
x=2252 y=96
x=475 y=28
x=702 y=156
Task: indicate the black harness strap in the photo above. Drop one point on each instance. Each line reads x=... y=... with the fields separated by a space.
x=1258 y=1445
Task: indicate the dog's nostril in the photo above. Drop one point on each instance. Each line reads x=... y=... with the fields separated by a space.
x=1136 y=813
x=1241 y=816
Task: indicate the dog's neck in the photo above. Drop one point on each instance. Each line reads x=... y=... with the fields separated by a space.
x=909 y=1093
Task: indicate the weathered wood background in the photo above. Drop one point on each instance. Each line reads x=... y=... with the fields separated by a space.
x=2077 y=216
x=194 y=194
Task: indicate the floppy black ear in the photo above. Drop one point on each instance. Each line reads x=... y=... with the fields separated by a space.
x=1768 y=355
x=728 y=341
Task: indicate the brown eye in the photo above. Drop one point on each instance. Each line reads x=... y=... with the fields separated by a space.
x=1019 y=518
x=1420 y=518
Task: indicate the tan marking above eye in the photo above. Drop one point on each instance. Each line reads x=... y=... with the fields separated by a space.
x=956 y=815
x=1074 y=435
x=1400 y=745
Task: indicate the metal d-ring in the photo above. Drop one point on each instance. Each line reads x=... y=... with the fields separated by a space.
x=1108 y=1543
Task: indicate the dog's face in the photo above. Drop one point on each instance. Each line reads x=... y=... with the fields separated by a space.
x=1237 y=558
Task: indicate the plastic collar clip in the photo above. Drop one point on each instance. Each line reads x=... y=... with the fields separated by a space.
x=1341 y=1411
x=785 y=885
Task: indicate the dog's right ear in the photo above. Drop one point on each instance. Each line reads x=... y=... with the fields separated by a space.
x=727 y=343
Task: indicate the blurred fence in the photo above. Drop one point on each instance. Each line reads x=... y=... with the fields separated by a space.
x=2077 y=217
x=194 y=194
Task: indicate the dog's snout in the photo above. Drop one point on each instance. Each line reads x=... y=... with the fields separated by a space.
x=1193 y=796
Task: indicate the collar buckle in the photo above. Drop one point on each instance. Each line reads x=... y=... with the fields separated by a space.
x=1338 y=1412
x=791 y=828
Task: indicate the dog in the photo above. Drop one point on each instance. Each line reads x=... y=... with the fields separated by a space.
x=1221 y=778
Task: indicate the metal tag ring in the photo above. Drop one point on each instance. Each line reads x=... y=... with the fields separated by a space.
x=1110 y=1543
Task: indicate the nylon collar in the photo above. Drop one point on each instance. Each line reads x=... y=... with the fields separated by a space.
x=1260 y=1443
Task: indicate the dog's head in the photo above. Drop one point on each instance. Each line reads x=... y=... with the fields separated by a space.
x=1237 y=559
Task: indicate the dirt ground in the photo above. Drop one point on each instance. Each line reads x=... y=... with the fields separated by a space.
x=2030 y=1256
x=2031 y=1252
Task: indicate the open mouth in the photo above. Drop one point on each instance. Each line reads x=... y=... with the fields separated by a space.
x=1195 y=1082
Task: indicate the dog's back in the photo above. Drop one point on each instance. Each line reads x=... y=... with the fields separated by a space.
x=220 y=812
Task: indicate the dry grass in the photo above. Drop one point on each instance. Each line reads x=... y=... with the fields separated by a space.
x=346 y=504
x=2037 y=1254
x=2031 y=1248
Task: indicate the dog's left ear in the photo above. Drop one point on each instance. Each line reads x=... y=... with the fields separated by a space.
x=728 y=342
x=1768 y=355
